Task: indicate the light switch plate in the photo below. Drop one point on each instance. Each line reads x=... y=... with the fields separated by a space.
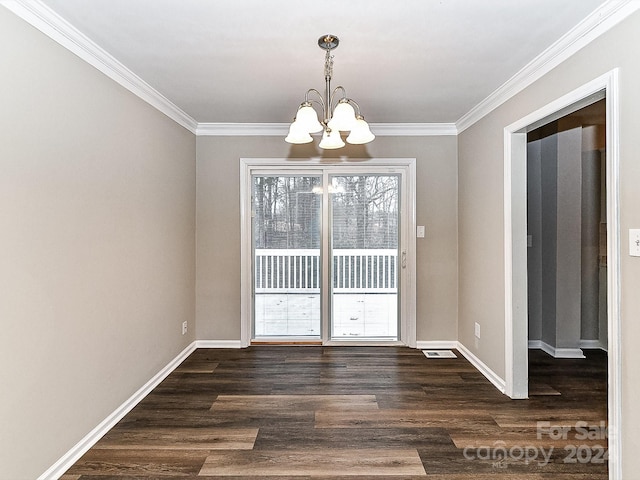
x=420 y=231
x=634 y=242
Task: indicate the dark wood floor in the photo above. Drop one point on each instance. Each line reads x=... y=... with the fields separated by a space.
x=333 y=412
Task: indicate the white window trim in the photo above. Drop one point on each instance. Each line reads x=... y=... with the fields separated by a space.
x=248 y=166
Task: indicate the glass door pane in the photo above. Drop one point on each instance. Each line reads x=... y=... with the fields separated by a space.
x=286 y=255
x=364 y=239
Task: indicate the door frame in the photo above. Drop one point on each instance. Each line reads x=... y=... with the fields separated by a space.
x=515 y=245
x=407 y=299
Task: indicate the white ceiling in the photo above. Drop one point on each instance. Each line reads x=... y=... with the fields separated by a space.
x=403 y=61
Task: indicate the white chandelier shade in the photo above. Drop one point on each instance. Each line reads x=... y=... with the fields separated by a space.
x=331 y=140
x=298 y=135
x=360 y=133
x=344 y=117
x=307 y=119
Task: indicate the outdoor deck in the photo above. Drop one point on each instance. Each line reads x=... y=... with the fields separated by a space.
x=355 y=315
x=364 y=293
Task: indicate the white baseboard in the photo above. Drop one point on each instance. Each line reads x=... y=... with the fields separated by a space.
x=592 y=344
x=557 y=352
x=218 y=344
x=535 y=344
x=569 y=353
x=73 y=455
x=436 y=345
x=490 y=375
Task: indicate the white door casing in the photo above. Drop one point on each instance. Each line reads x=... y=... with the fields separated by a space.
x=515 y=249
x=405 y=166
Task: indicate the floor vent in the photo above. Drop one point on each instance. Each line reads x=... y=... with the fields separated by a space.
x=439 y=354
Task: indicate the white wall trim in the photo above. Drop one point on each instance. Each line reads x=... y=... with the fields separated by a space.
x=242 y=129
x=58 y=29
x=218 y=344
x=586 y=344
x=73 y=455
x=489 y=374
x=593 y=344
x=436 y=344
x=599 y=22
x=414 y=129
x=281 y=129
x=567 y=352
x=515 y=241
x=556 y=352
x=614 y=282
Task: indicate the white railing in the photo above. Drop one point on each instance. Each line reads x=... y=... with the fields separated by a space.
x=352 y=271
x=287 y=271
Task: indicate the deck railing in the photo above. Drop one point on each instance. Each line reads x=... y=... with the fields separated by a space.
x=352 y=271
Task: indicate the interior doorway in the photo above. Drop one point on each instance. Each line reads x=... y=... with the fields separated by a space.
x=515 y=237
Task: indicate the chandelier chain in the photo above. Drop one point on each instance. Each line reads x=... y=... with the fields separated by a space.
x=328 y=65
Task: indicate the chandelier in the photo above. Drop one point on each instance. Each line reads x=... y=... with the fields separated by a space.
x=338 y=115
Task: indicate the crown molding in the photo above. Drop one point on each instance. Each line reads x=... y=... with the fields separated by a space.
x=281 y=129
x=599 y=22
x=58 y=29
x=414 y=129
x=40 y=16
x=242 y=129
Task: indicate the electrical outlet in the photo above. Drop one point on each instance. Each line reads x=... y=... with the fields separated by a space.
x=477 y=330
x=184 y=327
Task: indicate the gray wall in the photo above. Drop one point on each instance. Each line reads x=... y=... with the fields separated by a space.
x=534 y=230
x=481 y=210
x=592 y=216
x=218 y=232
x=569 y=239
x=549 y=237
x=97 y=214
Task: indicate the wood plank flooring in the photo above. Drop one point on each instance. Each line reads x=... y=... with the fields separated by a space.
x=358 y=413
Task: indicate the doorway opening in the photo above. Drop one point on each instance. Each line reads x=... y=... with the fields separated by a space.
x=567 y=250
x=567 y=233
x=516 y=258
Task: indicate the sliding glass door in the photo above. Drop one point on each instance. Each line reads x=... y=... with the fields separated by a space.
x=286 y=229
x=364 y=232
x=328 y=254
